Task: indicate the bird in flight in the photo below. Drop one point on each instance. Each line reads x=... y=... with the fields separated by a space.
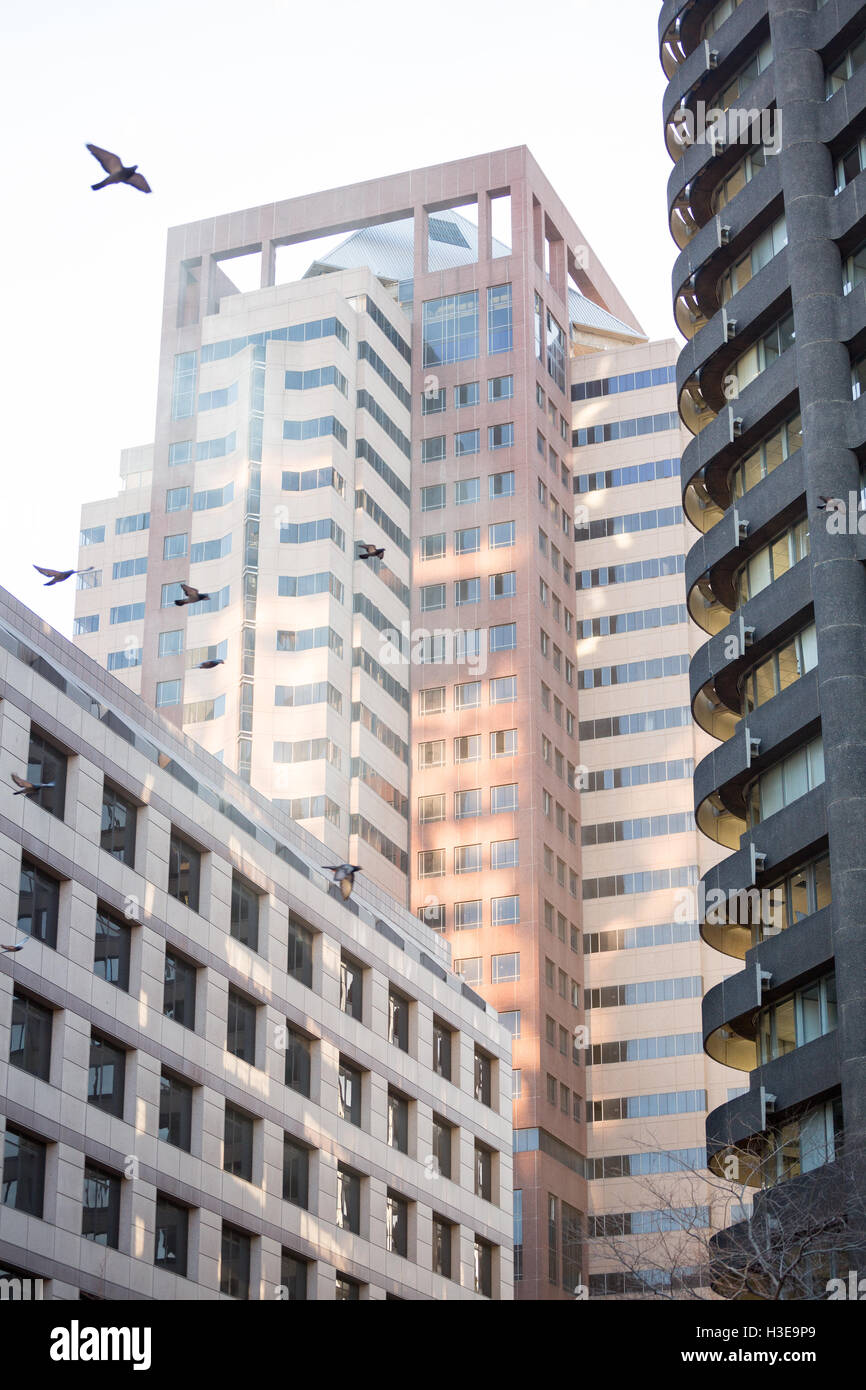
x=26 y=788
x=58 y=576
x=17 y=946
x=209 y=665
x=370 y=552
x=344 y=874
x=117 y=172
x=192 y=595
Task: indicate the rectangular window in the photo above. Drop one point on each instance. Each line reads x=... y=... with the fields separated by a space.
x=504 y=854
x=503 y=743
x=184 y=871
x=111 y=950
x=500 y=336
x=500 y=437
x=351 y=987
x=503 y=690
x=23 y=1173
x=433 y=401
x=501 y=485
x=467 y=859
x=441 y=1056
x=46 y=769
x=178 y=1000
x=38 y=904
x=168 y=693
x=296 y=1172
x=300 y=961
x=30 y=1036
x=433 y=498
x=500 y=388
x=503 y=798
x=244 y=921
x=467 y=541
x=348 y=1200
x=177 y=499
x=238 y=1143
x=467 y=394
x=106 y=1074
x=432 y=597
x=235 y=1262
x=433 y=547
x=241 y=1027
x=467 y=749
x=433 y=449
x=467 y=442
x=503 y=637
x=398 y=1020
x=172 y=1236
x=298 y=1068
x=175 y=547
x=100 y=1206
x=431 y=808
x=175 y=1111
x=500 y=534
x=398 y=1122
x=470 y=969
x=450 y=329
x=467 y=804
x=349 y=1093
x=117 y=830
x=505 y=968
x=467 y=491
x=505 y=912
x=468 y=915
x=441 y=1247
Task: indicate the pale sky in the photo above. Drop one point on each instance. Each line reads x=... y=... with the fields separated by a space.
x=227 y=104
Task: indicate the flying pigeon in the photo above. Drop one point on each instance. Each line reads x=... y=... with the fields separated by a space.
x=26 y=788
x=344 y=874
x=58 y=576
x=209 y=665
x=370 y=552
x=17 y=946
x=116 y=171
x=192 y=595
x=830 y=504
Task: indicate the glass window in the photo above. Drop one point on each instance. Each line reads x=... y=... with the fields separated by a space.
x=244 y=922
x=500 y=388
x=501 y=484
x=468 y=490
x=348 y=1200
x=100 y=1207
x=503 y=743
x=238 y=1143
x=500 y=534
x=467 y=859
x=433 y=547
x=505 y=968
x=467 y=442
x=442 y=1049
x=503 y=690
x=111 y=950
x=441 y=1247
x=23 y=1173
x=398 y=1020
x=396 y=1225
x=467 y=804
x=467 y=541
x=504 y=854
x=349 y=1093
x=235 y=1262
x=483 y=1077
x=351 y=986
x=184 y=870
x=179 y=990
x=172 y=1235
x=500 y=437
x=398 y=1122
x=167 y=693
x=241 y=1027
x=175 y=547
x=483 y=1173
x=38 y=904
x=450 y=329
x=298 y=1062
x=499 y=319
x=433 y=498
x=467 y=394
x=293 y=1277
x=175 y=1111
x=117 y=831
x=46 y=769
x=300 y=961
x=505 y=912
x=442 y=1141
x=105 y=1081
x=470 y=968
x=30 y=1036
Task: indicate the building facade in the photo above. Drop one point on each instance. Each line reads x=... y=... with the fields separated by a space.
x=769 y=212
x=219 y=1078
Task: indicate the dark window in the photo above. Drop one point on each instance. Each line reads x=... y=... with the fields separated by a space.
x=184 y=871
x=175 y=1111
x=38 y=903
x=178 y=1001
x=441 y=1247
x=398 y=1122
x=351 y=986
x=442 y=1049
x=23 y=1173
x=348 y=1200
x=117 y=836
x=111 y=950
x=30 y=1042
x=442 y=1134
x=235 y=1263
x=396 y=1225
x=398 y=1020
x=296 y=1172
x=483 y=1267
x=172 y=1236
x=100 y=1216
x=300 y=965
x=245 y=913
x=483 y=1070
x=349 y=1105
x=106 y=1076
x=238 y=1143
x=241 y=1033
x=47 y=764
x=483 y=1173
x=293 y=1277
x=297 y=1061
x=347 y=1290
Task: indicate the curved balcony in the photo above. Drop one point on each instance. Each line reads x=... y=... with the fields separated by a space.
x=707 y=68
x=728 y=1020
x=679 y=31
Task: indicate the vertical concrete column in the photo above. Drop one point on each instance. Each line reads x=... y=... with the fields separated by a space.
x=832 y=470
